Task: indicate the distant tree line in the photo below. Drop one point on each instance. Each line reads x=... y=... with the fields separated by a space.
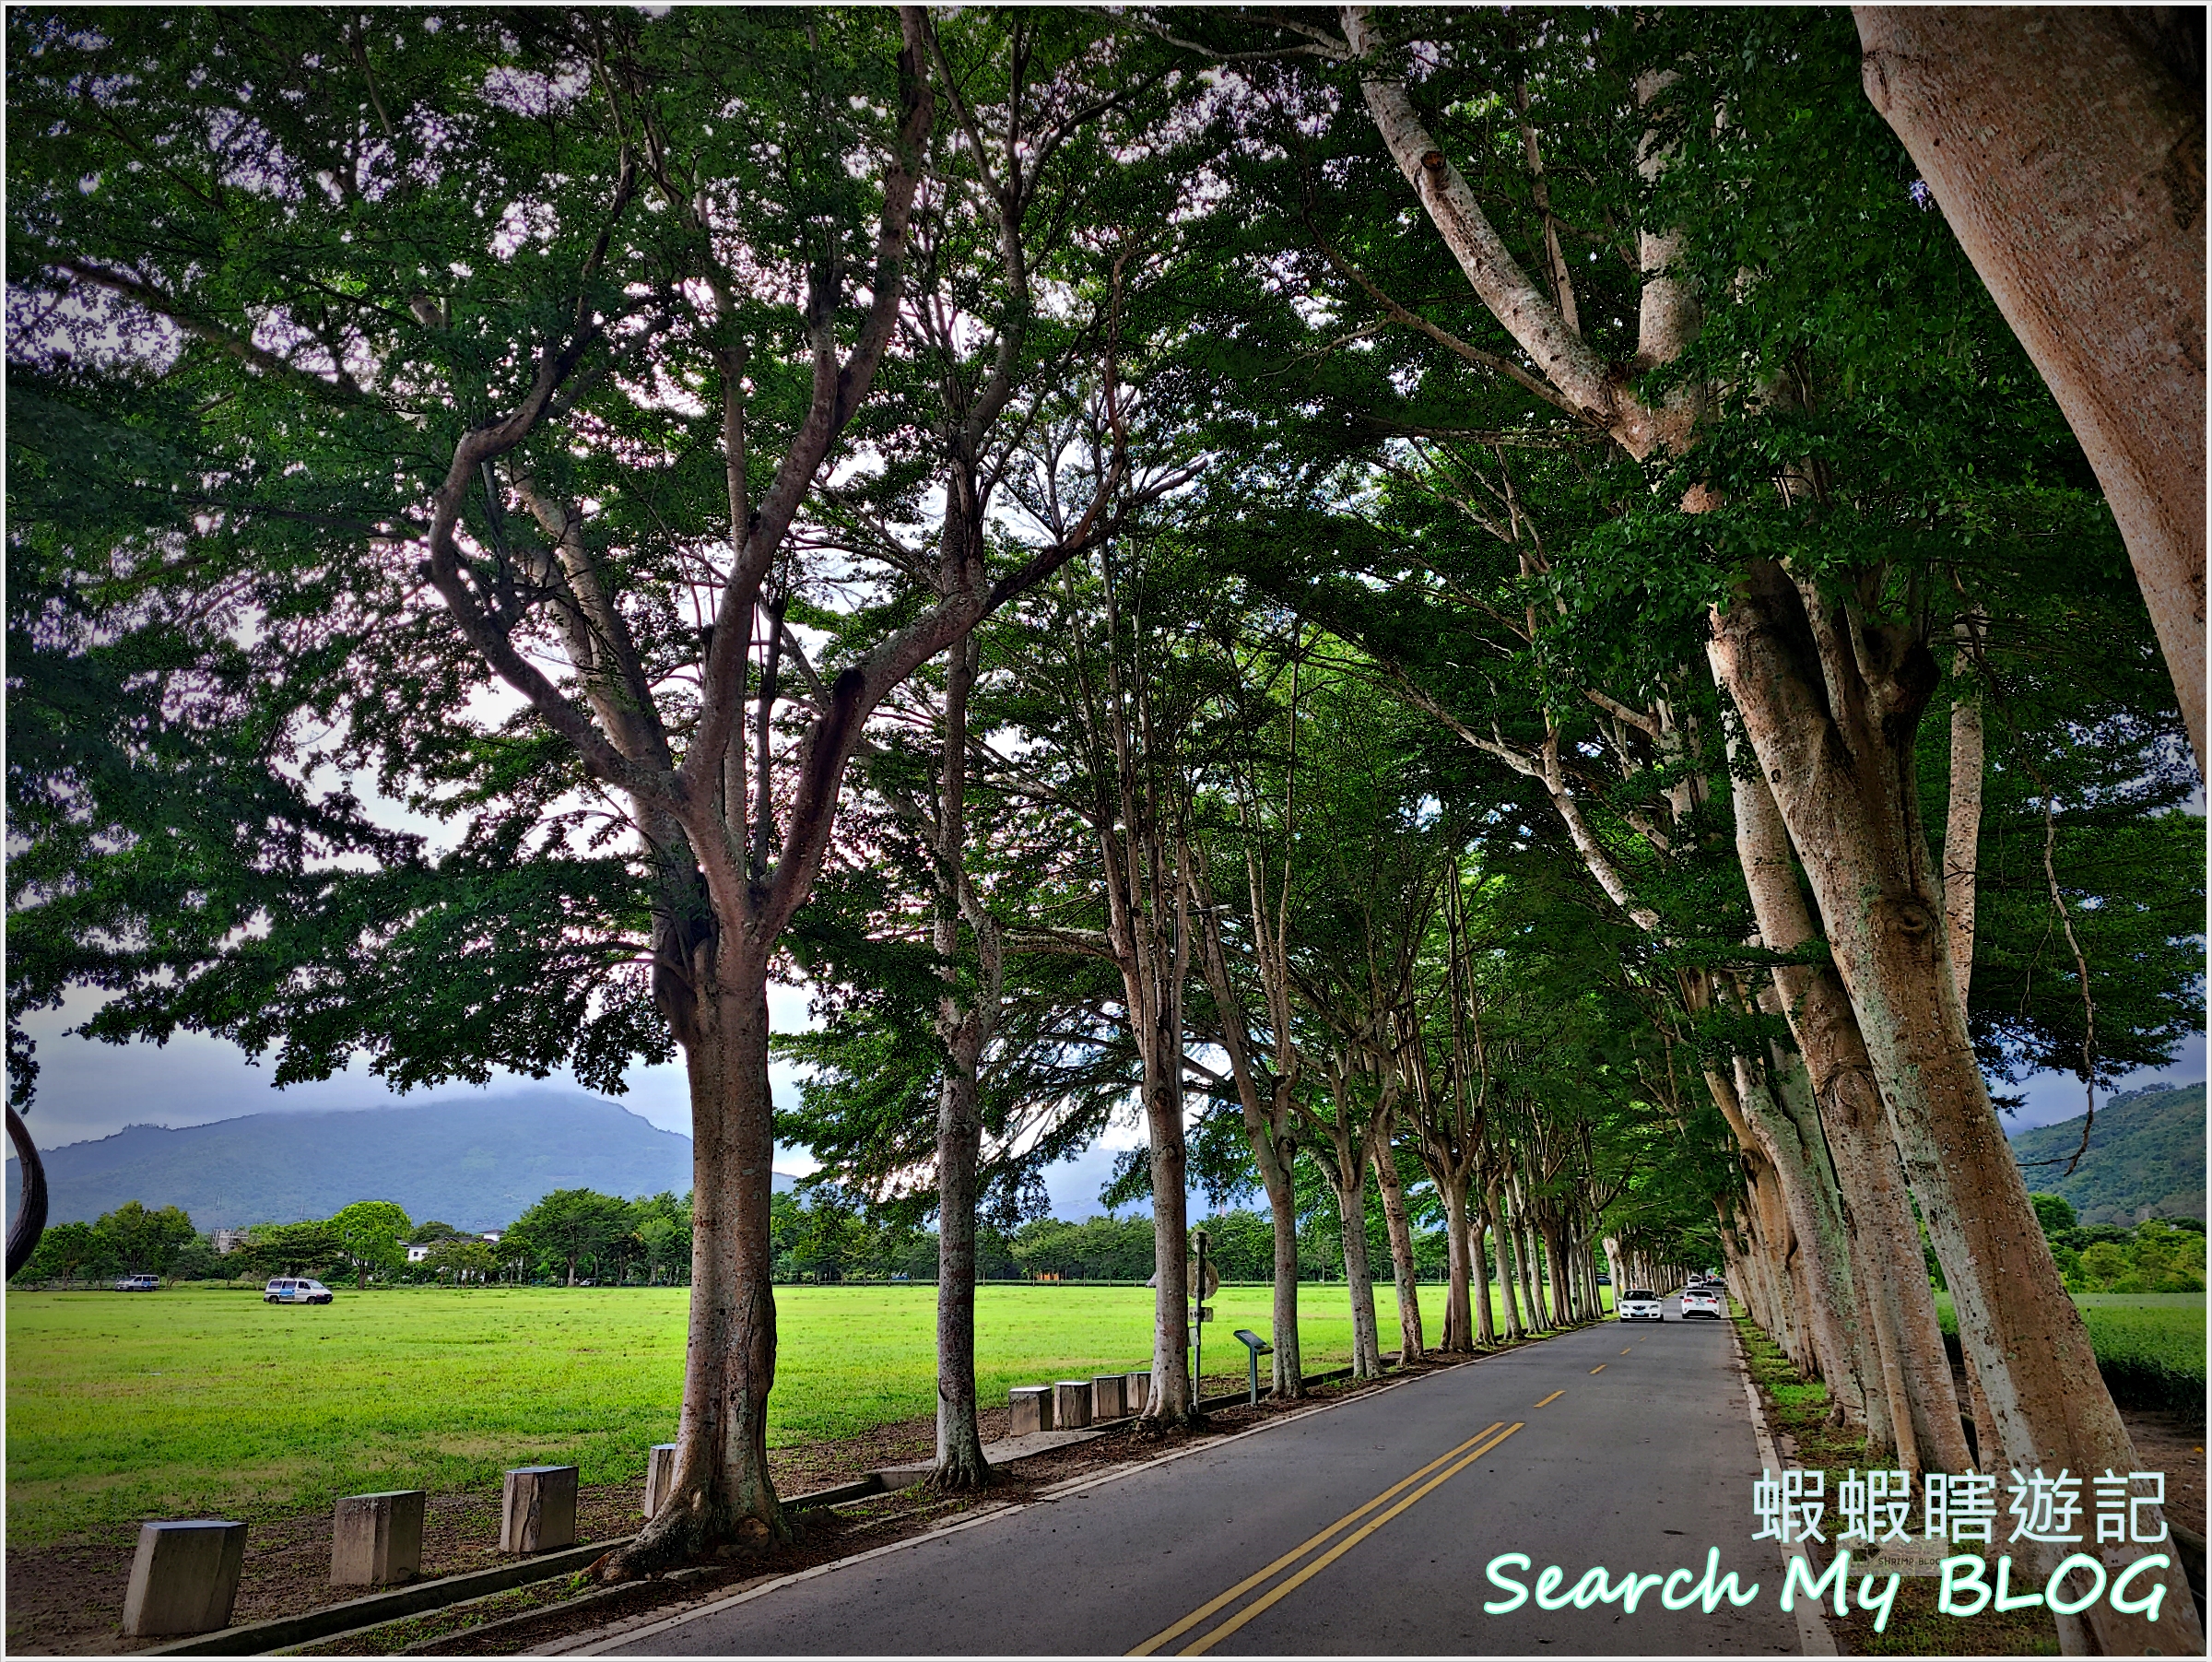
x=576 y=1237
x=2156 y=1255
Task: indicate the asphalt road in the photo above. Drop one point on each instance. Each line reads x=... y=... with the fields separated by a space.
x=1366 y=1528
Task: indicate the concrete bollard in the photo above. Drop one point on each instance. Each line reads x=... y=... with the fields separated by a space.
x=1071 y=1404
x=1140 y=1389
x=1110 y=1397
x=377 y=1539
x=538 y=1511
x=1032 y=1410
x=660 y=1475
x=185 y=1579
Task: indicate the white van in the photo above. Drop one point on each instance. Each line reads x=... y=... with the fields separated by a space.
x=294 y=1291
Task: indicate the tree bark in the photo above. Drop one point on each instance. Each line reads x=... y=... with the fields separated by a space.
x=1478 y=1277
x=1358 y=1278
x=963 y=1029
x=1962 y=830
x=1459 y=1323
x=2066 y=150
x=1505 y=1269
x=1411 y=1347
x=1266 y=1108
x=1831 y=702
x=722 y=1490
x=1884 y=1234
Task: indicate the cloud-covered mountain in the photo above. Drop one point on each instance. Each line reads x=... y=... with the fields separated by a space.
x=474 y=1163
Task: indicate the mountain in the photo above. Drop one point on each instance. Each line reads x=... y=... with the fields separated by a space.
x=2145 y=1157
x=476 y=1163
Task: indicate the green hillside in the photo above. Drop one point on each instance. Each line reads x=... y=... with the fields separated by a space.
x=2145 y=1157
x=472 y=1162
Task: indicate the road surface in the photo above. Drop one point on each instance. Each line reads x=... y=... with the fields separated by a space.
x=1364 y=1527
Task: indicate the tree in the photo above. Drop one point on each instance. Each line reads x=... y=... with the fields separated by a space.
x=2055 y=1212
x=71 y=1252
x=373 y=1234
x=675 y=244
x=567 y=1227
x=293 y=1249
x=2068 y=154
x=145 y=1241
x=1819 y=650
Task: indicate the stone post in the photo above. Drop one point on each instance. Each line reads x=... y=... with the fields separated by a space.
x=185 y=1579
x=1071 y=1404
x=1140 y=1389
x=538 y=1511
x=377 y=1539
x=1032 y=1410
x=660 y=1475
x=1110 y=1396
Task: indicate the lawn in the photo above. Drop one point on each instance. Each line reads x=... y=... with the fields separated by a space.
x=2150 y=1346
x=200 y=1402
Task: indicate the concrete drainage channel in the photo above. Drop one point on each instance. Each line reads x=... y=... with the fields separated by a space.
x=378 y=1609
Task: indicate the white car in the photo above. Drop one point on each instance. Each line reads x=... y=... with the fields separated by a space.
x=1640 y=1306
x=291 y=1291
x=1702 y=1301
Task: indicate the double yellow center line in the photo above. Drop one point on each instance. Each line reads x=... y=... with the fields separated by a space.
x=1465 y=1454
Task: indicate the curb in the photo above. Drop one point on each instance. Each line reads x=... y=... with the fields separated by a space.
x=1813 y=1637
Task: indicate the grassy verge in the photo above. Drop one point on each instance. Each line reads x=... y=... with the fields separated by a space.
x=2149 y=1346
x=206 y=1403
x=1799 y=1409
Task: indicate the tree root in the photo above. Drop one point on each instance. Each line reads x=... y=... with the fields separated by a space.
x=680 y=1536
x=958 y=1477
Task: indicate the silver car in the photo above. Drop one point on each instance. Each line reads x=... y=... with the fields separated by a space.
x=1642 y=1306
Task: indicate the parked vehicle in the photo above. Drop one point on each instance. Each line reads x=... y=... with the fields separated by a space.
x=1643 y=1306
x=138 y=1284
x=295 y=1291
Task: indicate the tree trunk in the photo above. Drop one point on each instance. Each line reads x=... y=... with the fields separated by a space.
x=1884 y=1235
x=722 y=1490
x=1962 y=833
x=1171 y=1400
x=960 y=1463
x=1459 y=1323
x=1513 y=1328
x=1411 y=1347
x=1830 y=704
x=1532 y=1273
x=1486 y=1321
x=2066 y=150
x=1350 y=1184
x=1290 y=1376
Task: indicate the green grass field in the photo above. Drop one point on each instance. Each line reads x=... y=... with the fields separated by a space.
x=194 y=1402
x=2150 y=1346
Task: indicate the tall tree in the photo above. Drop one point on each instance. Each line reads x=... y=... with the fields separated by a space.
x=2068 y=152
x=549 y=327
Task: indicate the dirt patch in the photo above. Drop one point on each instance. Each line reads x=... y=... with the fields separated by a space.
x=66 y=1599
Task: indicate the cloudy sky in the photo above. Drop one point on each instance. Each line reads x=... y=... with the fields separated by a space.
x=89 y=1091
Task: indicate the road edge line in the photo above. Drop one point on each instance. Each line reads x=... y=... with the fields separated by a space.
x=1813 y=1637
